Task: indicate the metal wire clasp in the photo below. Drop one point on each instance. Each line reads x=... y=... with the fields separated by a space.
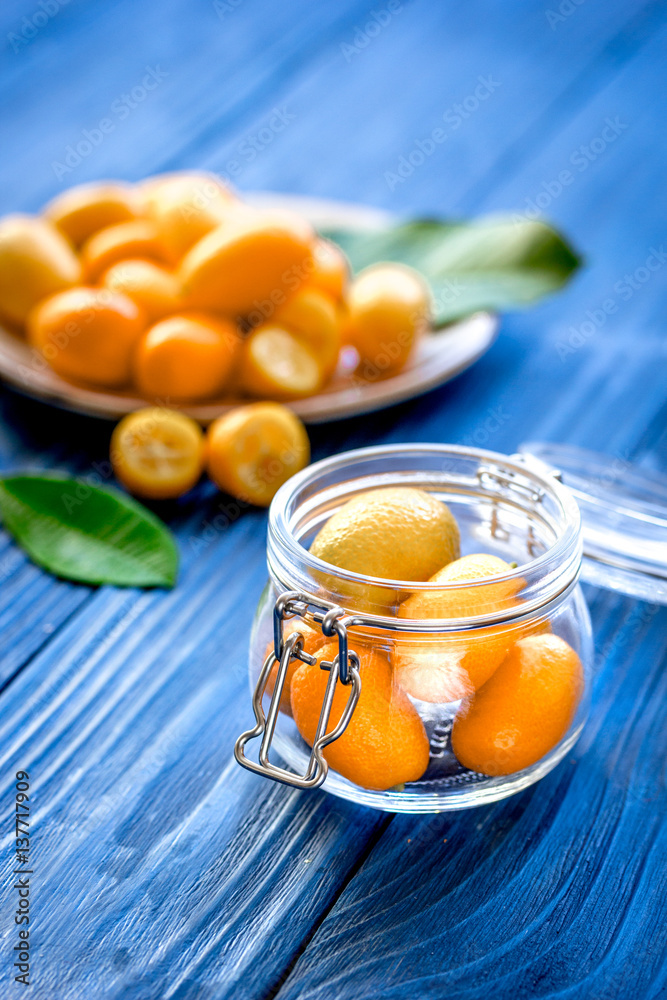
x=344 y=668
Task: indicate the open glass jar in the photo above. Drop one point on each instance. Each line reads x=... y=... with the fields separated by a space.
x=388 y=699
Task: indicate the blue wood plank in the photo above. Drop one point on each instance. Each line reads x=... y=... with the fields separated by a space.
x=34 y=605
x=126 y=724
x=43 y=54
x=70 y=106
x=548 y=894
x=165 y=869
x=204 y=109
x=552 y=893
x=381 y=108
x=206 y=67
x=42 y=120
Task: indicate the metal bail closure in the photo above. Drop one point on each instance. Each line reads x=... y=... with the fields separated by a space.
x=344 y=668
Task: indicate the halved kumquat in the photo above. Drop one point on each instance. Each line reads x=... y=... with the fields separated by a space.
x=276 y=364
x=157 y=453
x=312 y=315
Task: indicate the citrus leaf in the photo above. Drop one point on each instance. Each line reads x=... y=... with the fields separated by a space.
x=494 y=263
x=87 y=534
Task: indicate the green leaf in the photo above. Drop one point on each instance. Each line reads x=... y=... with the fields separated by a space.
x=83 y=533
x=494 y=263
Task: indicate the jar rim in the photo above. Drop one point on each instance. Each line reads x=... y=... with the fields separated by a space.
x=566 y=547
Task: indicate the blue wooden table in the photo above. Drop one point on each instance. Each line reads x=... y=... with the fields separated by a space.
x=161 y=869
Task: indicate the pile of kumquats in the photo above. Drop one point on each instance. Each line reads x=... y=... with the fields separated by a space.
x=177 y=290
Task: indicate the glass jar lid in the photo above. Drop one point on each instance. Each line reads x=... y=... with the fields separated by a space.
x=624 y=518
x=503 y=507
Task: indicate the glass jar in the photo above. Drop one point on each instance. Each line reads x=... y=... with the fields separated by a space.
x=436 y=703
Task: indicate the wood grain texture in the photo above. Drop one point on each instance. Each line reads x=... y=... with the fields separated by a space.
x=544 y=895
x=155 y=849
x=165 y=870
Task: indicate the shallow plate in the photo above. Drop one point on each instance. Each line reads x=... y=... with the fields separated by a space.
x=438 y=358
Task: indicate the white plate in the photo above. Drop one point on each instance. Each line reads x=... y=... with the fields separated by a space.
x=438 y=358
